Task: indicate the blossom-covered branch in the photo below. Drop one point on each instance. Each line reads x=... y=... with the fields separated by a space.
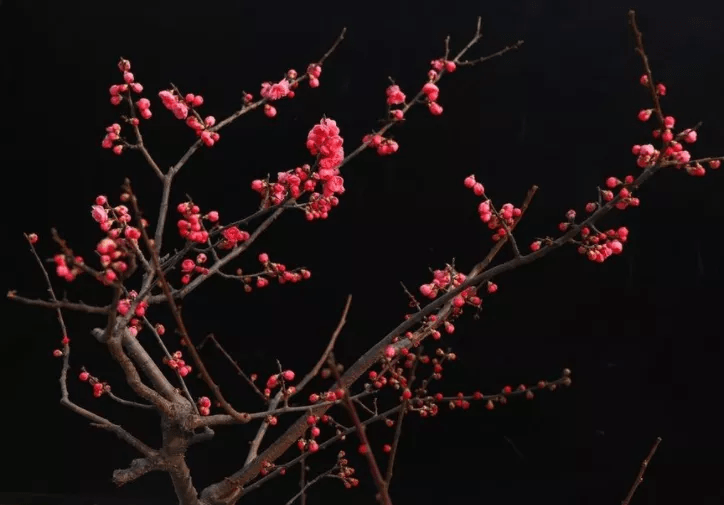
x=405 y=365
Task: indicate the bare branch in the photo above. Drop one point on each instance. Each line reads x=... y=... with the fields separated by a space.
x=305 y=486
x=511 y=47
x=59 y=304
x=647 y=68
x=640 y=476
x=139 y=467
x=104 y=424
x=140 y=146
x=233 y=362
x=128 y=403
x=314 y=371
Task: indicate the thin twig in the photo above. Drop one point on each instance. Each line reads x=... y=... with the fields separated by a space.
x=323 y=359
x=384 y=496
x=59 y=304
x=166 y=352
x=303 y=492
x=647 y=68
x=233 y=362
x=65 y=400
x=128 y=403
x=642 y=470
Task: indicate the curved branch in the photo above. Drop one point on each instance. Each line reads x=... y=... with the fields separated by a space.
x=59 y=304
x=139 y=467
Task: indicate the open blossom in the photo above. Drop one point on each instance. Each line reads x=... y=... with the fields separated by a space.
x=324 y=140
x=331 y=162
x=172 y=103
x=275 y=91
x=232 y=236
x=99 y=214
x=334 y=185
x=394 y=95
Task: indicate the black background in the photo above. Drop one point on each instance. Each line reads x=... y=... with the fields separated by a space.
x=640 y=332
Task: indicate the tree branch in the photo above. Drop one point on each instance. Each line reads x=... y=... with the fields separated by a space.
x=281 y=208
x=233 y=362
x=640 y=476
x=323 y=359
x=59 y=304
x=139 y=467
x=365 y=446
x=241 y=417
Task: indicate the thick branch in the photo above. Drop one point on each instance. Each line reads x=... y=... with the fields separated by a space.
x=132 y=377
x=139 y=467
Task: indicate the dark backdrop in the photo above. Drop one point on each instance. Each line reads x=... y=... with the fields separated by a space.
x=641 y=332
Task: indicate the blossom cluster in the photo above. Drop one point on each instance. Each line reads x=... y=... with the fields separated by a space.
x=324 y=142
x=191 y=226
x=181 y=106
x=396 y=97
x=285 y=88
x=135 y=324
x=189 y=266
x=98 y=387
x=280 y=380
x=176 y=362
x=121 y=238
x=500 y=221
x=112 y=140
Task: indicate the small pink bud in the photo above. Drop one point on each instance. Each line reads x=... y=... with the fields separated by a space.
x=390 y=351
